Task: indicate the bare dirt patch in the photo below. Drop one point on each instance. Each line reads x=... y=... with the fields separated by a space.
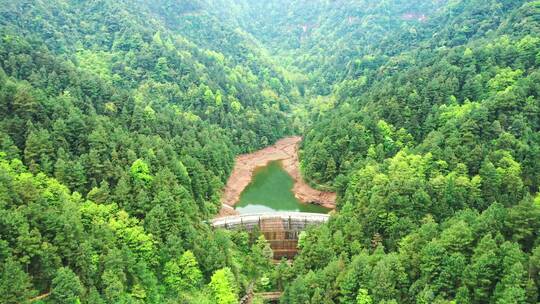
x=285 y=150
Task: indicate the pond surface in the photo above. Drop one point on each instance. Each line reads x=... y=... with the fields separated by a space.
x=270 y=190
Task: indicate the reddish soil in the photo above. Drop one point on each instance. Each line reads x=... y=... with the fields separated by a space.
x=285 y=150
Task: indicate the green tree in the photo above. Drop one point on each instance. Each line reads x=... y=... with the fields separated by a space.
x=262 y=254
x=363 y=297
x=15 y=284
x=511 y=289
x=140 y=171
x=66 y=287
x=183 y=275
x=223 y=287
x=524 y=222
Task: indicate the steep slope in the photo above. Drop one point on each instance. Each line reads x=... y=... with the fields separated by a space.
x=129 y=46
x=142 y=123
x=434 y=151
x=325 y=38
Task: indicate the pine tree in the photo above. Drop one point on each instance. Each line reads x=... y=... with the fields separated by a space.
x=15 y=284
x=66 y=287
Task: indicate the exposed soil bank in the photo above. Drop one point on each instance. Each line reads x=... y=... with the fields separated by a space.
x=285 y=150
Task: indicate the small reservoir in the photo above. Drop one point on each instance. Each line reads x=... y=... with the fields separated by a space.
x=270 y=190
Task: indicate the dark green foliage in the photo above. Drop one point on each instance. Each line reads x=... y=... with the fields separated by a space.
x=66 y=287
x=15 y=285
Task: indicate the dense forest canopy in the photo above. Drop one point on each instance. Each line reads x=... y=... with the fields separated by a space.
x=120 y=121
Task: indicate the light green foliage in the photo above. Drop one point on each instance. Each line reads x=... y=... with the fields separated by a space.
x=140 y=171
x=504 y=79
x=97 y=62
x=127 y=230
x=363 y=297
x=223 y=287
x=183 y=275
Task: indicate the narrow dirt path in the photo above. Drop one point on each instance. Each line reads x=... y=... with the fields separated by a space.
x=285 y=150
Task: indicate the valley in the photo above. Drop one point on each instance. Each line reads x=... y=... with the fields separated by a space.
x=390 y=150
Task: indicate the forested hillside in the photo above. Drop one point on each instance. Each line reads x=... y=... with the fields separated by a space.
x=141 y=125
x=120 y=121
x=434 y=148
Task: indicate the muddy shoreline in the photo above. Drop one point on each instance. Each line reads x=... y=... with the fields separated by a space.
x=284 y=150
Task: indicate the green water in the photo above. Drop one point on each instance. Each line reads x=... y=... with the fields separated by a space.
x=270 y=190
